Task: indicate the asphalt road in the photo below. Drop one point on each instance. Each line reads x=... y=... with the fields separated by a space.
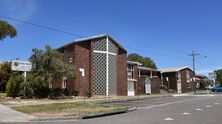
x=176 y=110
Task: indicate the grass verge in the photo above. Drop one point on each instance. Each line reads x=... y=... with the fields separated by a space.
x=68 y=109
x=203 y=91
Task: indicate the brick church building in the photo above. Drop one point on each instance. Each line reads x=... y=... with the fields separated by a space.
x=101 y=66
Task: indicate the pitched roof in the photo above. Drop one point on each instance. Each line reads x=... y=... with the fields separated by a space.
x=133 y=62
x=176 y=69
x=147 y=68
x=92 y=38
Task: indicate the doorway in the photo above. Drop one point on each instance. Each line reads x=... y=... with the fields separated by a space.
x=131 y=91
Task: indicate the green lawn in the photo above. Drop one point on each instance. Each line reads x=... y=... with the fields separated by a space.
x=203 y=91
x=2 y=94
x=71 y=108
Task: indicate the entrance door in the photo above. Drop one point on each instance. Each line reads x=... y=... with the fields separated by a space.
x=147 y=86
x=179 y=87
x=131 y=91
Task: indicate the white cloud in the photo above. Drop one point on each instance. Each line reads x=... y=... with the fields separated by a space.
x=20 y=9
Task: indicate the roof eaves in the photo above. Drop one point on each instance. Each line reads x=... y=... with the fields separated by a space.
x=146 y=68
x=168 y=70
x=91 y=38
x=134 y=62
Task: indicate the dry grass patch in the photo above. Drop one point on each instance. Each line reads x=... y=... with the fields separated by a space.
x=68 y=109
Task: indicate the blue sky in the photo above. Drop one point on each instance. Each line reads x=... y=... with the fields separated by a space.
x=164 y=30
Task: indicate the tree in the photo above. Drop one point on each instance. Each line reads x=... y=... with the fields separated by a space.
x=6 y=30
x=219 y=76
x=13 y=84
x=146 y=61
x=5 y=73
x=49 y=66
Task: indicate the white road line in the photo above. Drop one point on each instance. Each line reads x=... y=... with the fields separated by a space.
x=216 y=103
x=170 y=103
x=168 y=119
x=208 y=106
x=198 y=109
x=186 y=113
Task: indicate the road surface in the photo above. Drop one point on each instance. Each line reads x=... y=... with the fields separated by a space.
x=177 y=110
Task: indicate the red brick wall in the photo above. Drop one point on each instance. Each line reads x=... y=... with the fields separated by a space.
x=184 y=80
x=173 y=80
x=155 y=85
x=82 y=55
x=140 y=89
x=122 y=73
x=57 y=83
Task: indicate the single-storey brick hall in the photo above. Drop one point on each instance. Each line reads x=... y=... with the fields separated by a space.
x=180 y=79
x=101 y=66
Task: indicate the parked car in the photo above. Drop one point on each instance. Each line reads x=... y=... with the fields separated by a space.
x=217 y=89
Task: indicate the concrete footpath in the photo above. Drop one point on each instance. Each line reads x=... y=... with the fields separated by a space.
x=9 y=115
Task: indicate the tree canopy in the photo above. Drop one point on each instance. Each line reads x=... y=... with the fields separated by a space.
x=6 y=30
x=146 y=61
x=49 y=65
x=5 y=73
x=219 y=76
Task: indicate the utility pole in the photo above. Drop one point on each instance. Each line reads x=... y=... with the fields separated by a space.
x=193 y=54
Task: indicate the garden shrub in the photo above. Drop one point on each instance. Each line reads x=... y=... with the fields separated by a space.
x=56 y=93
x=74 y=93
x=13 y=85
x=67 y=92
x=26 y=90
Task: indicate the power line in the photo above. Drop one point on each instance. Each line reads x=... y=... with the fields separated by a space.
x=81 y=36
x=160 y=54
x=41 y=26
x=206 y=65
x=216 y=57
x=69 y=33
x=177 y=58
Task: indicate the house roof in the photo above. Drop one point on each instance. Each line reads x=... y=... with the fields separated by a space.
x=140 y=66
x=134 y=62
x=92 y=38
x=176 y=69
x=146 y=68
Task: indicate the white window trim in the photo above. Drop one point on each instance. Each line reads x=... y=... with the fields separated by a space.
x=131 y=70
x=50 y=85
x=178 y=76
x=64 y=82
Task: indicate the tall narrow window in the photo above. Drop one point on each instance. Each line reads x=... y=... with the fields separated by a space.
x=130 y=71
x=178 y=76
x=188 y=79
x=188 y=76
x=50 y=85
x=64 y=82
